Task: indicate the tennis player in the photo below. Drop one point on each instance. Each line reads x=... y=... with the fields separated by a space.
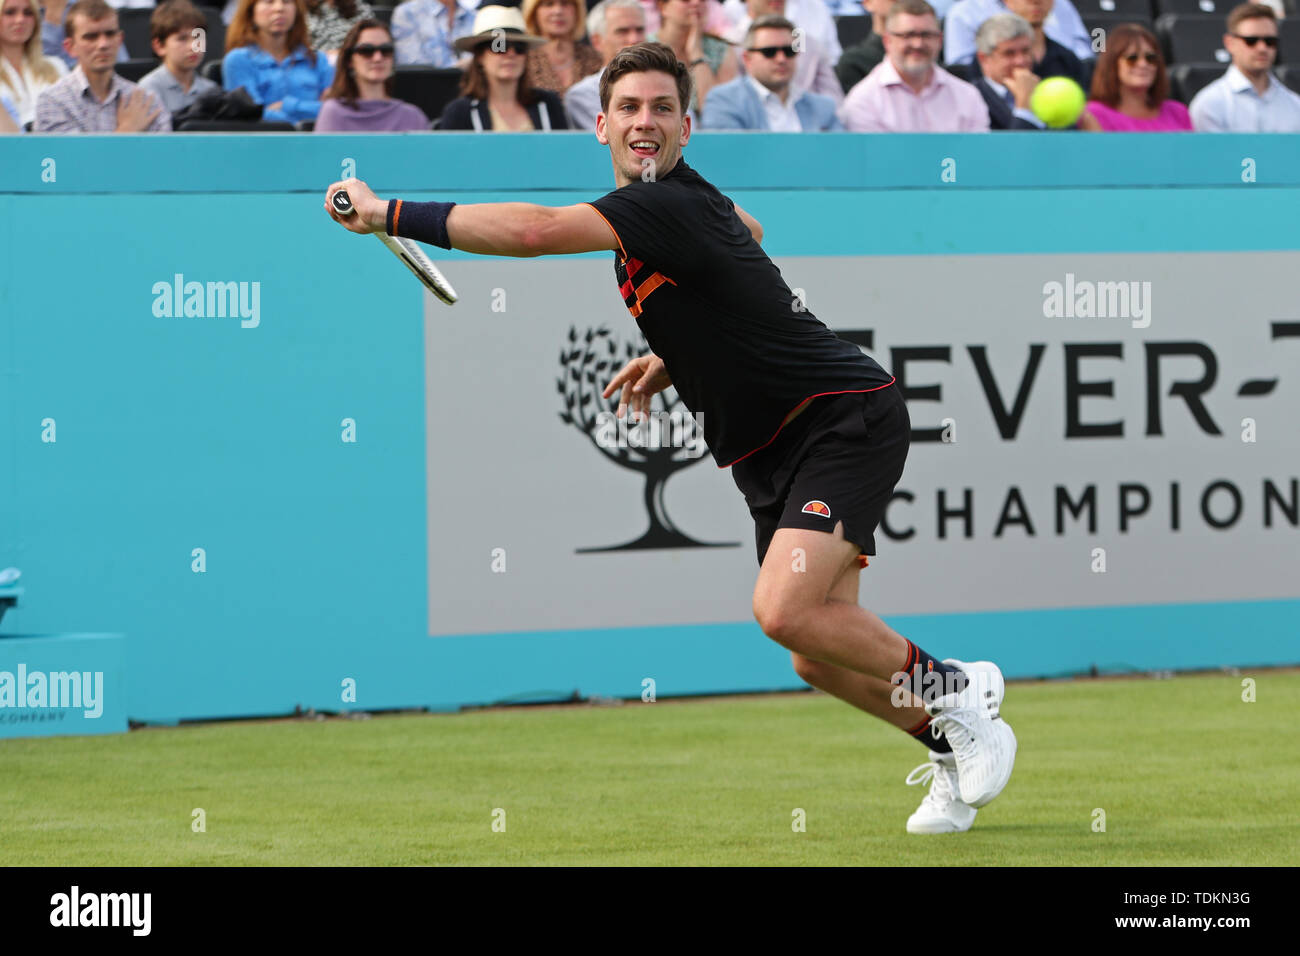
x=814 y=431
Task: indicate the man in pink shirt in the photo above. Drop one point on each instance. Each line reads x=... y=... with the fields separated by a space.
x=908 y=92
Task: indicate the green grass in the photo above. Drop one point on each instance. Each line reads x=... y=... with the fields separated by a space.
x=1186 y=772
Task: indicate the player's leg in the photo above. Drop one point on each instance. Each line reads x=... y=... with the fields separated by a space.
x=942 y=809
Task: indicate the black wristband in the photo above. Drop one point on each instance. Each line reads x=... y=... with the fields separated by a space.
x=421 y=221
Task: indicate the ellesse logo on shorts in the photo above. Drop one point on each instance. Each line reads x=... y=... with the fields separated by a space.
x=816 y=507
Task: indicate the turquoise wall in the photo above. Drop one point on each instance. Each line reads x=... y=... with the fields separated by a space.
x=177 y=435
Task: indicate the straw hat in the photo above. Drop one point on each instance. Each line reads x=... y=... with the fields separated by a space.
x=493 y=22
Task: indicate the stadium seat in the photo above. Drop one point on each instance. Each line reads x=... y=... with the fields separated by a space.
x=1128 y=8
x=135 y=31
x=852 y=29
x=233 y=126
x=1290 y=76
x=1288 y=32
x=963 y=71
x=1192 y=38
x=216 y=38
x=212 y=71
x=1217 y=8
x=430 y=88
x=1108 y=21
x=1188 y=79
x=134 y=69
x=384 y=15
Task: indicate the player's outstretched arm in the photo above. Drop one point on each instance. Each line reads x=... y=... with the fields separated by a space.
x=497 y=229
x=751 y=222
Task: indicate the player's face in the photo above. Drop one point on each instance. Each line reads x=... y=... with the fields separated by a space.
x=1252 y=59
x=18 y=22
x=644 y=128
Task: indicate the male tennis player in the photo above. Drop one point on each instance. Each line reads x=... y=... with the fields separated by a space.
x=814 y=431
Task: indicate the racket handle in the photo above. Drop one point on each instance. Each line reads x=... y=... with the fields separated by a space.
x=343 y=203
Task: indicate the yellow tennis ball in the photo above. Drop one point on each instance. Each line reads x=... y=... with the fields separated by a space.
x=1058 y=101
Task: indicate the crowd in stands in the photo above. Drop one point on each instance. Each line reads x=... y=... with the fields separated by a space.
x=774 y=65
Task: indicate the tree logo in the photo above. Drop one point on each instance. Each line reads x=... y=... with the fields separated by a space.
x=670 y=440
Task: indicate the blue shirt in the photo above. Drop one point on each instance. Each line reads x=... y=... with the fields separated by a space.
x=295 y=80
x=1063 y=24
x=422 y=33
x=1231 y=105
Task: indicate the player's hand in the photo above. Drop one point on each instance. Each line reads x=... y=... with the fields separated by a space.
x=371 y=213
x=136 y=112
x=1021 y=83
x=640 y=379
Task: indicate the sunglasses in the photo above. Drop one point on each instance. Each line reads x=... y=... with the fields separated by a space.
x=770 y=52
x=367 y=50
x=1270 y=42
x=1132 y=58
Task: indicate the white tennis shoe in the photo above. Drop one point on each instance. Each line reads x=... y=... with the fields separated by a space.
x=942 y=810
x=983 y=744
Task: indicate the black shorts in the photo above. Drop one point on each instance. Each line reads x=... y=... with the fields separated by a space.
x=838 y=460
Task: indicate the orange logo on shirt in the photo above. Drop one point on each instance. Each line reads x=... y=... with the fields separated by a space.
x=816 y=507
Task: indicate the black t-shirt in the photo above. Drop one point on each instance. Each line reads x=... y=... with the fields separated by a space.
x=713 y=306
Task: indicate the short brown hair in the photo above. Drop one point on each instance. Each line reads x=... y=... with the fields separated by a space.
x=1105 y=80
x=768 y=21
x=913 y=8
x=1249 y=11
x=175 y=16
x=647 y=57
x=89 y=9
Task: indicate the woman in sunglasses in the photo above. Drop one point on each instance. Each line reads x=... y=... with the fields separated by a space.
x=497 y=95
x=1130 y=87
x=361 y=97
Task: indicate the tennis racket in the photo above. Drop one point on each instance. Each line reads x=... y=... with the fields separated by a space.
x=408 y=251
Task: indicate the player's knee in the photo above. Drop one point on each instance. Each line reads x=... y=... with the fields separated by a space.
x=778 y=621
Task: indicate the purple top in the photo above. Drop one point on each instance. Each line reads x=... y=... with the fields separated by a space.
x=370 y=116
x=1172 y=116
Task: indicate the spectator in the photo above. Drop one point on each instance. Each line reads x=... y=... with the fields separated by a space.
x=1050 y=57
x=176 y=82
x=1063 y=24
x=1130 y=88
x=908 y=92
x=765 y=98
x=24 y=69
x=1248 y=98
x=328 y=23
x=424 y=30
x=498 y=96
x=55 y=12
x=814 y=69
x=565 y=57
x=707 y=57
x=716 y=19
x=612 y=25
x=1004 y=48
x=812 y=17
x=865 y=55
x=92 y=98
x=361 y=98
x=267 y=54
